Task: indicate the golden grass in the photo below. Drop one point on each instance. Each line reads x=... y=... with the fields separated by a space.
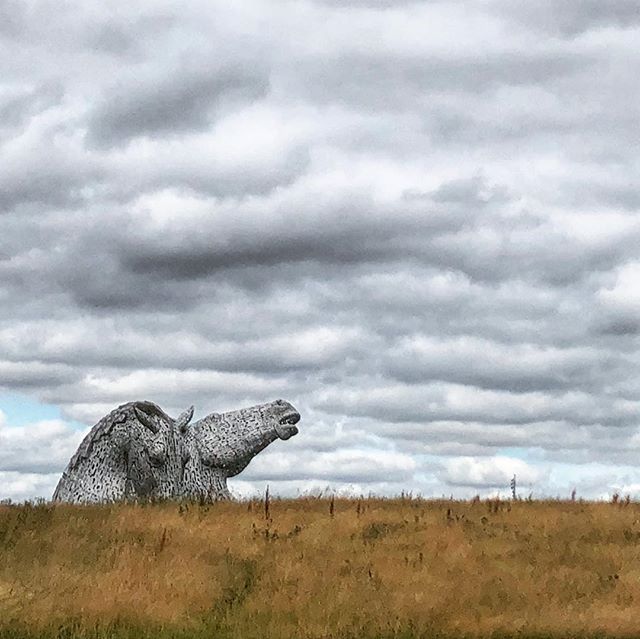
x=375 y=567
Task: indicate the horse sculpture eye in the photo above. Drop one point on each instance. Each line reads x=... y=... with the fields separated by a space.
x=157 y=454
x=157 y=460
x=210 y=460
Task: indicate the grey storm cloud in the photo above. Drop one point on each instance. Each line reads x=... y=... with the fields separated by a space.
x=12 y=18
x=415 y=221
x=17 y=108
x=173 y=102
x=392 y=83
x=571 y=19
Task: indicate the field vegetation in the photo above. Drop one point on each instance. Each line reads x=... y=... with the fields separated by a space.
x=321 y=568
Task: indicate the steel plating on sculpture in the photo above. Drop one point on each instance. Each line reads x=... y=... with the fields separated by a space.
x=138 y=452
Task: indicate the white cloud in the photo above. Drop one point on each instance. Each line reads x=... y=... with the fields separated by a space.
x=18 y=486
x=493 y=472
x=42 y=447
x=33 y=456
x=343 y=465
x=624 y=294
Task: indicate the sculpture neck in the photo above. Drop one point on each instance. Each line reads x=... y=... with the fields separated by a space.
x=203 y=482
x=216 y=485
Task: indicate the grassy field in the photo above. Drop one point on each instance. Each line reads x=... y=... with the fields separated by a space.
x=317 y=568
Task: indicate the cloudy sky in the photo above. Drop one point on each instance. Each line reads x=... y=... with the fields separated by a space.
x=415 y=221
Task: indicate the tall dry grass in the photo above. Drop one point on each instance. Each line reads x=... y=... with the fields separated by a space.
x=321 y=568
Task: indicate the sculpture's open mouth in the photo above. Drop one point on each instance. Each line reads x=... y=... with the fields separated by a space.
x=290 y=418
x=287 y=425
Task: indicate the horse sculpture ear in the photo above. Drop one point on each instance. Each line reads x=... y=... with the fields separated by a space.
x=183 y=419
x=144 y=411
